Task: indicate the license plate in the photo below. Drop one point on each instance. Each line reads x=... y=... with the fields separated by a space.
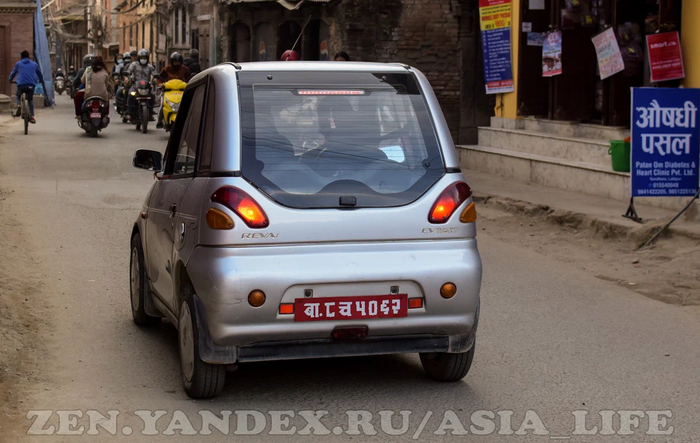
x=351 y=308
x=95 y=115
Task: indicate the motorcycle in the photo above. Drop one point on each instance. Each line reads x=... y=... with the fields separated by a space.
x=94 y=116
x=121 y=89
x=60 y=85
x=141 y=112
x=71 y=88
x=172 y=96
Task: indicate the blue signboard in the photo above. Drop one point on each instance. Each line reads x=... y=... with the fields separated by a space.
x=665 y=142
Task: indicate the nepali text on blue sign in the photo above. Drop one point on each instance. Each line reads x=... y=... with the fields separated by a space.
x=665 y=142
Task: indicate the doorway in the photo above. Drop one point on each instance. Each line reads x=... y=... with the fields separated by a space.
x=578 y=94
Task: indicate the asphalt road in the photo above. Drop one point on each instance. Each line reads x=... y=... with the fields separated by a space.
x=552 y=339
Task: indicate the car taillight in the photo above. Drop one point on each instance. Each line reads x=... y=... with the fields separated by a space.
x=242 y=204
x=450 y=199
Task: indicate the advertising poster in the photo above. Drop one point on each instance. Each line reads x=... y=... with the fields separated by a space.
x=608 y=51
x=665 y=142
x=535 y=38
x=551 y=55
x=495 y=35
x=665 y=57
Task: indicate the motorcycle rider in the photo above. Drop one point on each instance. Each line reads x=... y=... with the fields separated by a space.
x=78 y=84
x=59 y=73
x=138 y=72
x=71 y=71
x=118 y=65
x=175 y=70
x=192 y=62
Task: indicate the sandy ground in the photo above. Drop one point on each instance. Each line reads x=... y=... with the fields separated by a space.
x=562 y=328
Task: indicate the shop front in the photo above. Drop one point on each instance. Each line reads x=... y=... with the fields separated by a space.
x=556 y=63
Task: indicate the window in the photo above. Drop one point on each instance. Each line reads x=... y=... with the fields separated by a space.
x=208 y=135
x=176 y=21
x=143 y=34
x=367 y=135
x=183 y=22
x=131 y=35
x=187 y=150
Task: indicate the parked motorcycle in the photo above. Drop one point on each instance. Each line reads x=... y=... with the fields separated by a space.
x=141 y=112
x=172 y=97
x=60 y=85
x=94 y=115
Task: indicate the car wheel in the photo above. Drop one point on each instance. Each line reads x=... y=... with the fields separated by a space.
x=139 y=285
x=200 y=379
x=443 y=366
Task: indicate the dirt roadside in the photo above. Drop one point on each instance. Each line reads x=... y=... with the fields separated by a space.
x=21 y=321
x=668 y=271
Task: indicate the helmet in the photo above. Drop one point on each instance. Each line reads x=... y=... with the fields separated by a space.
x=59 y=70
x=143 y=53
x=290 y=55
x=175 y=56
x=87 y=60
x=72 y=68
x=127 y=54
x=194 y=53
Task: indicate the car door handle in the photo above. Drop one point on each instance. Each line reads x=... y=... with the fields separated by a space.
x=173 y=210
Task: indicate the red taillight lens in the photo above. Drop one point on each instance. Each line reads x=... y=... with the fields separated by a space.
x=96 y=104
x=242 y=204
x=450 y=199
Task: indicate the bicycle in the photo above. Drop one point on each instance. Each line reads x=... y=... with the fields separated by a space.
x=26 y=114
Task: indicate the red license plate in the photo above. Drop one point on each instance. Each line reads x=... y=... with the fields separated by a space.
x=350 y=308
x=95 y=115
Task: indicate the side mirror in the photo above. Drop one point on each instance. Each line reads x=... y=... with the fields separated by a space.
x=147 y=159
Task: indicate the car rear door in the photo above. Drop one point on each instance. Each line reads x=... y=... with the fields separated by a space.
x=167 y=222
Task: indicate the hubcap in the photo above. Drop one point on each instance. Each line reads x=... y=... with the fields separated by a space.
x=135 y=280
x=186 y=333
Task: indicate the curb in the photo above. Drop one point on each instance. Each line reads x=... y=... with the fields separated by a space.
x=606 y=228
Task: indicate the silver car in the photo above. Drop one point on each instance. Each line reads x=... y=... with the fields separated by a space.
x=306 y=210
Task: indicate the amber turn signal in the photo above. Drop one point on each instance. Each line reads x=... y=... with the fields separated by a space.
x=415 y=303
x=469 y=214
x=287 y=308
x=256 y=298
x=448 y=290
x=218 y=220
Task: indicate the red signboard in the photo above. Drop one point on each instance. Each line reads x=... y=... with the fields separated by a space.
x=665 y=57
x=350 y=308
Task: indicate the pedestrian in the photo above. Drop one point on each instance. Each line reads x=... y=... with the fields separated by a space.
x=342 y=56
x=97 y=83
x=192 y=62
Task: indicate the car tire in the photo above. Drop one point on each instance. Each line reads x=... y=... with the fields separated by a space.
x=446 y=367
x=200 y=379
x=138 y=285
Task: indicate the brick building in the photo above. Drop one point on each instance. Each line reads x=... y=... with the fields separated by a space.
x=439 y=37
x=16 y=35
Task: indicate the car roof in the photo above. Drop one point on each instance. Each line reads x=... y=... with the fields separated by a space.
x=322 y=66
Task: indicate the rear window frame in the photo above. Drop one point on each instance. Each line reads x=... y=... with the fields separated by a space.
x=245 y=80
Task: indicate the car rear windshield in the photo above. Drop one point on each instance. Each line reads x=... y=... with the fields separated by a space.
x=334 y=139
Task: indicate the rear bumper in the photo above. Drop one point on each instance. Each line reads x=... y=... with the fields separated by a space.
x=223 y=278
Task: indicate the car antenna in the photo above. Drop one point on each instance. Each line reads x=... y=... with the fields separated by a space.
x=297 y=41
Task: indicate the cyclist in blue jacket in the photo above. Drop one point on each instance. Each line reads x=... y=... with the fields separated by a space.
x=28 y=76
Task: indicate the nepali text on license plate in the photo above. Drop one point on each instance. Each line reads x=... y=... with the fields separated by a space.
x=350 y=308
x=95 y=115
